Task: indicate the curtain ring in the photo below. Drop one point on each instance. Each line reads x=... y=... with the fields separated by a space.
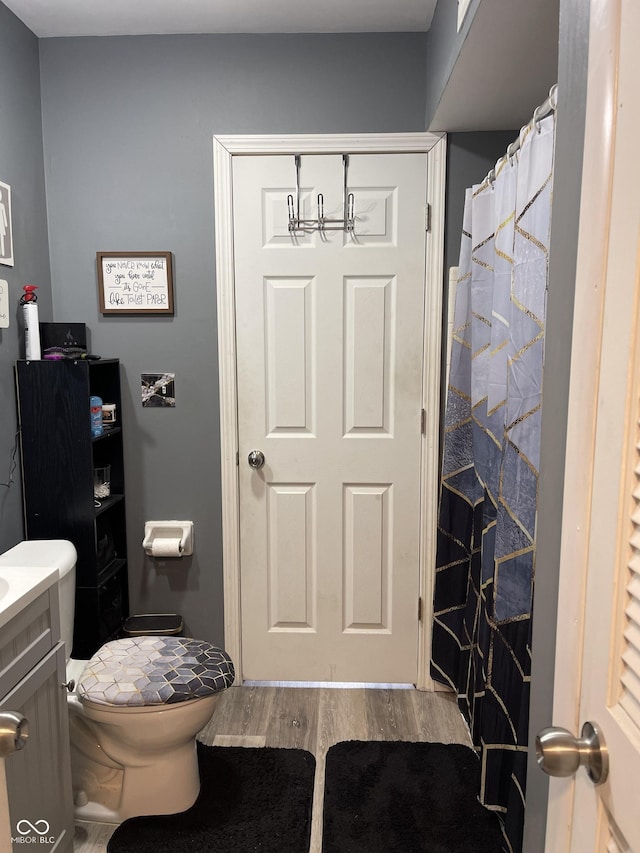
x=553 y=96
x=536 y=119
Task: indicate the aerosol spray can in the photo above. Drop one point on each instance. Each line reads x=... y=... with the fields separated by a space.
x=29 y=302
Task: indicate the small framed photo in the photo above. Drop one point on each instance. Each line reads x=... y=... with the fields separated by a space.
x=135 y=282
x=158 y=390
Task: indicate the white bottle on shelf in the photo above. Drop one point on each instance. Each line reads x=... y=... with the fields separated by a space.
x=29 y=302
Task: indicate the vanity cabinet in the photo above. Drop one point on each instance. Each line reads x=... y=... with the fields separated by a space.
x=38 y=777
x=59 y=455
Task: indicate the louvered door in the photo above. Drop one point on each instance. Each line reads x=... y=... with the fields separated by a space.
x=611 y=666
x=606 y=818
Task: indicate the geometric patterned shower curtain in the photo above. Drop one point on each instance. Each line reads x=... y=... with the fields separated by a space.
x=487 y=513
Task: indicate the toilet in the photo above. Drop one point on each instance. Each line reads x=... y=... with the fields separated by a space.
x=134 y=710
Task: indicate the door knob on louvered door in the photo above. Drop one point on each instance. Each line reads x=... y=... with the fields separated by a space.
x=256 y=459
x=560 y=753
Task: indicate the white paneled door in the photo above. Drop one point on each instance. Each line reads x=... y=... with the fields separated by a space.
x=329 y=336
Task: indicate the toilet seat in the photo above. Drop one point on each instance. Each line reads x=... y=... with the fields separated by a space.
x=153 y=671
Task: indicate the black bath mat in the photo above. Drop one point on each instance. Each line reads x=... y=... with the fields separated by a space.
x=251 y=799
x=395 y=797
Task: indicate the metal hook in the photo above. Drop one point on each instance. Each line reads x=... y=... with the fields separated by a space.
x=347 y=199
x=297 y=159
x=292 y=218
x=347 y=222
x=294 y=212
x=345 y=166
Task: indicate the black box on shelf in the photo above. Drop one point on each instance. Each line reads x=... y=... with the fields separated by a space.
x=63 y=337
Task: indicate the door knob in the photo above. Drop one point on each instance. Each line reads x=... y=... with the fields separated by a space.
x=256 y=459
x=14 y=732
x=559 y=753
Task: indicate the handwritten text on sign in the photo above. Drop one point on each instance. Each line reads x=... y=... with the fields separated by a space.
x=131 y=283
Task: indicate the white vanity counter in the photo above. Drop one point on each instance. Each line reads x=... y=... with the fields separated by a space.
x=27 y=572
x=19 y=588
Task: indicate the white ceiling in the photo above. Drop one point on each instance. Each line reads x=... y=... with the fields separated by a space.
x=51 y=18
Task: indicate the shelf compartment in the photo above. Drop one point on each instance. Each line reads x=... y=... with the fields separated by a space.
x=110 y=571
x=107 y=503
x=108 y=433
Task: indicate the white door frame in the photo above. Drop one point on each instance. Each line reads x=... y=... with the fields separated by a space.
x=224 y=149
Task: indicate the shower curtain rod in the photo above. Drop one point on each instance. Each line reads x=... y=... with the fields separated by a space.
x=546 y=107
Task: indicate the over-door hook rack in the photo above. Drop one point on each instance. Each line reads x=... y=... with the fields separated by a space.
x=347 y=223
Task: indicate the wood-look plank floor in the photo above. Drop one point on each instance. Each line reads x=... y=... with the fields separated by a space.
x=314 y=718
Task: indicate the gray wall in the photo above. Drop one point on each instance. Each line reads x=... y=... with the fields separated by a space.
x=128 y=126
x=21 y=167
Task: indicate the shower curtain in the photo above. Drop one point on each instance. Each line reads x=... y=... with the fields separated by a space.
x=487 y=514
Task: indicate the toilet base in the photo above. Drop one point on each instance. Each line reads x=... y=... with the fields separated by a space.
x=96 y=780
x=136 y=761
x=95 y=813
x=168 y=786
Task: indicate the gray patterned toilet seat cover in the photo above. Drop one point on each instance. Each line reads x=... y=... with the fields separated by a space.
x=153 y=670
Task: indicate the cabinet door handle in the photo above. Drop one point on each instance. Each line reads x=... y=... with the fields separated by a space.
x=14 y=732
x=69 y=686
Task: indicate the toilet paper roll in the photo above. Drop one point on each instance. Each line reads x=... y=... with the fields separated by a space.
x=166 y=547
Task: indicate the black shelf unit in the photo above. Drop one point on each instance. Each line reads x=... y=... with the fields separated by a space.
x=58 y=458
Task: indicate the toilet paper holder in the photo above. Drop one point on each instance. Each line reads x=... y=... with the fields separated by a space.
x=168 y=538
